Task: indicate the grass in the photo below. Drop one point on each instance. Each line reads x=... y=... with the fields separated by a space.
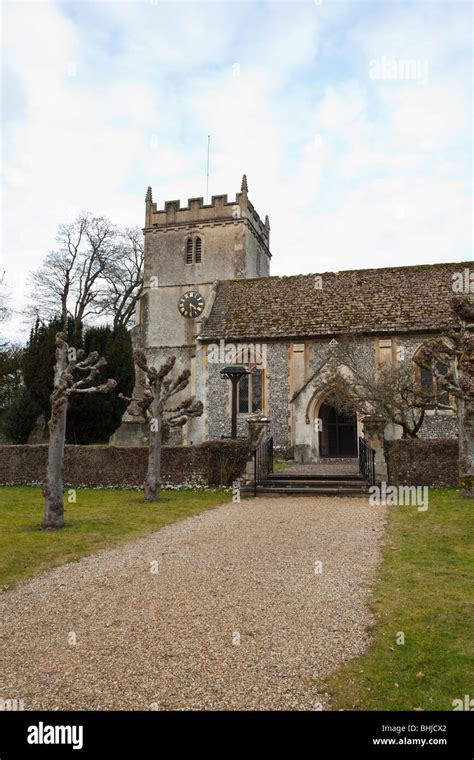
x=280 y=464
x=99 y=519
x=424 y=587
x=424 y=590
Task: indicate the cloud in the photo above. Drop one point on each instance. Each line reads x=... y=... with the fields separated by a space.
x=107 y=98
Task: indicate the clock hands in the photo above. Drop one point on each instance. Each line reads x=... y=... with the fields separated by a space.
x=191 y=304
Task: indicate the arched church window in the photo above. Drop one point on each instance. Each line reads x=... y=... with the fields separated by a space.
x=189 y=251
x=426 y=381
x=430 y=386
x=198 y=250
x=250 y=393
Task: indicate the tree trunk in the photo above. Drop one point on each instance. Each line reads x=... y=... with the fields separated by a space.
x=53 y=488
x=466 y=448
x=153 y=477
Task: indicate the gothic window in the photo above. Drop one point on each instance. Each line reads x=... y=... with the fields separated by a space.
x=198 y=250
x=426 y=380
x=431 y=387
x=189 y=251
x=250 y=393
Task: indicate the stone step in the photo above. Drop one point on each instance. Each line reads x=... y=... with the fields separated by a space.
x=247 y=492
x=306 y=476
x=314 y=483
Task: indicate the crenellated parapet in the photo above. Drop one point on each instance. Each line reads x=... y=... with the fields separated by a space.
x=220 y=210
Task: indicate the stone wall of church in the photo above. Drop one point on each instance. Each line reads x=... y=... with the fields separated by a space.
x=442 y=424
x=439 y=424
x=321 y=352
x=130 y=433
x=218 y=411
x=364 y=346
x=276 y=391
x=277 y=394
x=289 y=366
x=223 y=254
x=258 y=263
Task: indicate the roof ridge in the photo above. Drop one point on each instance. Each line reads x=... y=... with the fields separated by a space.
x=409 y=267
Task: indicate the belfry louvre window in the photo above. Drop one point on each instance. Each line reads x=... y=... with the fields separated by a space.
x=198 y=250
x=189 y=251
x=250 y=393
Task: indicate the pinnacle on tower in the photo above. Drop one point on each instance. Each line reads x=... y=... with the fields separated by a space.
x=267 y=222
x=149 y=196
x=244 y=187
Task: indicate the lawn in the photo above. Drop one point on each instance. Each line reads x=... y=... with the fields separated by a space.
x=425 y=591
x=281 y=464
x=99 y=519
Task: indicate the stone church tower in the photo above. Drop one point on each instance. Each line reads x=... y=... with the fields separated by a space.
x=187 y=252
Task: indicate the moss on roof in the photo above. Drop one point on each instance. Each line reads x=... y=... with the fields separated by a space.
x=396 y=299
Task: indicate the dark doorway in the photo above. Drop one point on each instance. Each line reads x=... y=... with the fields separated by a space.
x=337 y=433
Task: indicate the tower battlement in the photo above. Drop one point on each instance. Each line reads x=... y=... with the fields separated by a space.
x=219 y=211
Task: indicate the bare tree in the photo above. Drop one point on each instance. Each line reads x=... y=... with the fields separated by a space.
x=393 y=392
x=69 y=363
x=52 y=284
x=5 y=310
x=450 y=359
x=124 y=277
x=94 y=262
x=70 y=282
x=157 y=390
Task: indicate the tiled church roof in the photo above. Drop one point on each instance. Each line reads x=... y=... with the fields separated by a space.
x=400 y=299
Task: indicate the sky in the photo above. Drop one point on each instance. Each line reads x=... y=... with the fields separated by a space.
x=352 y=121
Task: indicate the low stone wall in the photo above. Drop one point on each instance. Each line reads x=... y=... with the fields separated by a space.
x=423 y=462
x=211 y=463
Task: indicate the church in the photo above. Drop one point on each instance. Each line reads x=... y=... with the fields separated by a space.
x=209 y=299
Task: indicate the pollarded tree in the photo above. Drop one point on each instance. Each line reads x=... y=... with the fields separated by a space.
x=38 y=364
x=93 y=418
x=450 y=359
x=158 y=388
x=69 y=363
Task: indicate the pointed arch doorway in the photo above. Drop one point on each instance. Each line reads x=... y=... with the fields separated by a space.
x=337 y=432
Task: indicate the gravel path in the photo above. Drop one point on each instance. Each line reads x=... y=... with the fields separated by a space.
x=234 y=618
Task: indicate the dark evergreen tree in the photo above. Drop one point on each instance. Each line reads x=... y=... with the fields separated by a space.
x=17 y=420
x=38 y=362
x=11 y=356
x=93 y=419
x=31 y=400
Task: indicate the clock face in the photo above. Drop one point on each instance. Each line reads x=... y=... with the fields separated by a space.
x=191 y=304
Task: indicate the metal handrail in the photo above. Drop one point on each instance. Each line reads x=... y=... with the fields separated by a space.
x=367 y=461
x=262 y=462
